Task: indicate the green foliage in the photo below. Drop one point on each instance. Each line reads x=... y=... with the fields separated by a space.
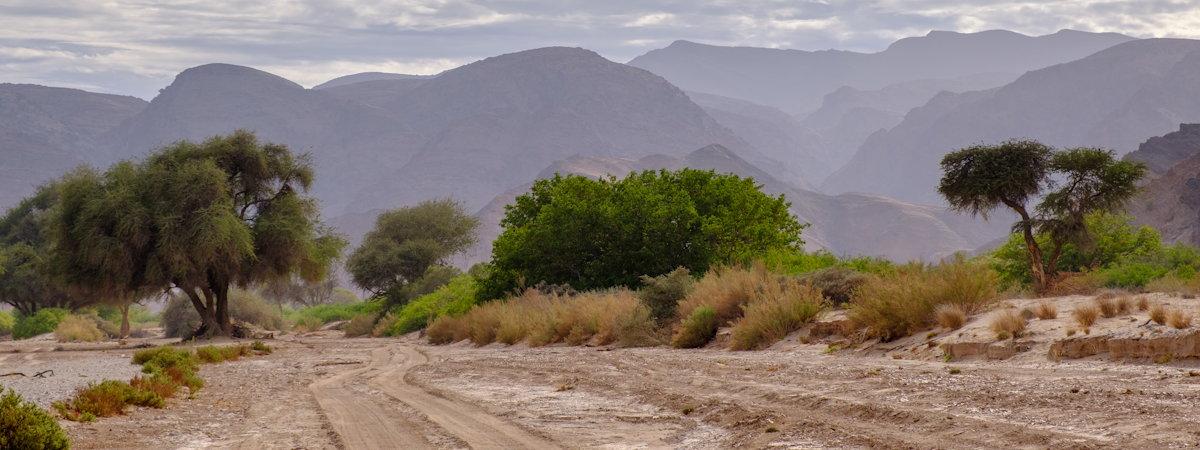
x=138 y=314
x=26 y=279
x=6 y=323
x=323 y=314
x=979 y=178
x=593 y=234
x=1132 y=274
x=406 y=243
x=697 y=329
x=23 y=425
x=41 y=322
x=797 y=262
x=105 y=399
x=215 y=354
x=662 y=294
x=454 y=299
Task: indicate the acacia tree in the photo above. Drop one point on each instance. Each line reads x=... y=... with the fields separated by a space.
x=408 y=248
x=26 y=281
x=980 y=178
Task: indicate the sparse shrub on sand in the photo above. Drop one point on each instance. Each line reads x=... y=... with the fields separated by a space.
x=1045 y=311
x=1007 y=324
x=1179 y=319
x=6 y=324
x=1158 y=313
x=75 y=328
x=105 y=399
x=1086 y=315
x=950 y=316
x=23 y=425
x=446 y=329
x=697 y=329
x=307 y=324
x=216 y=354
x=897 y=305
x=777 y=309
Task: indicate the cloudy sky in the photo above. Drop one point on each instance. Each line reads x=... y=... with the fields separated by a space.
x=137 y=46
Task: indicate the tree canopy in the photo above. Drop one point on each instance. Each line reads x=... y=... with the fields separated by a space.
x=1073 y=183
x=26 y=280
x=596 y=233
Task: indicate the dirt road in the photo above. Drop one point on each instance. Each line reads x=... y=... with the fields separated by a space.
x=329 y=392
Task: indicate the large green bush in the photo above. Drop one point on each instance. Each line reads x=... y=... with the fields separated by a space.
x=41 y=322
x=591 y=233
x=453 y=299
x=25 y=426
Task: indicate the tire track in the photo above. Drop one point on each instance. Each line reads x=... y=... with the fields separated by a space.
x=360 y=422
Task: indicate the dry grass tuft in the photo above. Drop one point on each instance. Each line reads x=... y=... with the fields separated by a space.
x=75 y=328
x=1007 y=324
x=360 y=325
x=1086 y=315
x=726 y=290
x=1158 y=313
x=1045 y=311
x=1143 y=303
x=905 y=302
x=950 y=316
x=1107 y=303
x=1179 y=319
x=776 y=309
x=1124 y=305
x=697 y=329
x=446 y=329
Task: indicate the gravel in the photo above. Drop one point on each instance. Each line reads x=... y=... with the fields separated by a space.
x=72 y=370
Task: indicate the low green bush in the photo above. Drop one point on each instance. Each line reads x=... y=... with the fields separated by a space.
x=105 y=399
x=697 y=329
x=41 y=322
x=214 y=354
x=1132 y=275
x=331 y=312
x=23 y=425
x=360 y=325
x=453 y=299
x=797 y=262
x=777 y=310
x=897 y=305
x=661 y=294
x=6 y=323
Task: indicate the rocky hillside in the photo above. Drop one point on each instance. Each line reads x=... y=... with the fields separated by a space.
x=1161 y=153
x=45 y=131
x=1098 y=101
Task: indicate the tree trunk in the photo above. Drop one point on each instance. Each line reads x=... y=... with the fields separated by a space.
x=222 y=313
x=1041 y=281
x=124 y=321
x=208 y=321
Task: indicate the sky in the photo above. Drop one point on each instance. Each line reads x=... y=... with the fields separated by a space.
x=136 y=47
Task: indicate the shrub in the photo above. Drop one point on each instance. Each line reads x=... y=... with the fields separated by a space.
x=454 y=299
x=1045 y=311
x=726 y=290
x=23 y=425
x=697 y=329
x=799 y=262
x=1132 y=275
x=592 y=317
x=104 y=399
x=214 y=354
x=179 y=317
x=360 y=325
x=1083 y=283
x=1179 y=319
x=1175 y=284
x=1158 y=313
x=41 y=322
x=950 y=316
x=661 y=294
x=1007 y=323
x=75 y=328
x=776 y=310
x=836 y=283
x=261 y=348
x=6 y=323
x=1107 y=302
x=897 y=305
x=1086 y=315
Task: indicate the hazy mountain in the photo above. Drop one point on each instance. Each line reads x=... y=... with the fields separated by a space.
x=849 y=224
x=366 y=76
x=1098 y=101
x=1171 y=202
x=775 y=133
x=496 y=123
x=1161 y=153
x=795 y=80
x=45 y=131
x=351 y=143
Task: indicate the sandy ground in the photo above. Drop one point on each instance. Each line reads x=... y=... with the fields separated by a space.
x=324 y=391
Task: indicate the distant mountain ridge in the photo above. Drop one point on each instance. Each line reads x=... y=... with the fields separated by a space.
x=1161 y=153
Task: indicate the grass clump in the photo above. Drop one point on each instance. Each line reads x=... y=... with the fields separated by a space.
x=950 y=316
x=307 y=324
x=447 y=329
x=1158 y=313
x=662 y=294
x=776 y=310
x=1179 y=319
x=1007 y=323
x=75 y=328
x=6 y=323
x=1086 y=315
x=726 y=290
x=43 y=321
x=360 y=325
x=23 y=425
x=215 y=354
x=1045 y=311
x=1107 y=303
x=697 y=329
x=261 y=348
x=897 y=305
x=1143 y=303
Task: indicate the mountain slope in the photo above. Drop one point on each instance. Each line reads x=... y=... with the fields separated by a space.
x=1161 y=153
x=772 y=132
x=1072 y=104
x=1171 y=203
x=795 y=80
x=364 y=77
x=45 y=131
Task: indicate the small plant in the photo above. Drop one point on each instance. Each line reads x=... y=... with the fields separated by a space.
x=261 y=348
x=661 y=294
x=837 y=284
x=1045 y=311
x=1007 y=324
x=446 y=329
x=307 y=324
x=23 y=425
x=6 y=324
x=214 y=354
x=1158 y=314
x=1086 y=315
x=1143 y=303
x=1179 y=319
x=950 y=316
x=105 y=399
x=954 y=371
x=697 y=329
x=1107 y=303
x=1124 y=305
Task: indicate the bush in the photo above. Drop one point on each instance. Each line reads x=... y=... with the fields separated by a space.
x=1007 y=323
x=1173 y=283
x=950 y=316
x=661 y=294
x=75 y=328
x=214 y=354
x=447 y=329
x=836 y=283
x=261 y=348
x=360 y=325
x=305 y=324
x=1158 y=313
x=799 y=262
x=697 y=329
x=25 y=426
x=1076 y=283
x=897 y=305
x=600 y=318
x=1179 y=319
x=1045 y=311
x=318 y=315
x=45 y=320
x=179 y=317
x=6 y=323
x=1132 y=275
x=453 y=299
x=776 y=310
x=726 y=290
x=105 y=399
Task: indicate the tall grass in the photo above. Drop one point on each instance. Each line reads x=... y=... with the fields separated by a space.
x=895 y=305
x=597 y=318
x=75 y=328
x=778 y=308
x=726 y=290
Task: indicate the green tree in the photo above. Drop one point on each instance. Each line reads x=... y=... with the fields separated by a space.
x=404 y=255
x=592 y=233
x=980 y=178
x=26 y=281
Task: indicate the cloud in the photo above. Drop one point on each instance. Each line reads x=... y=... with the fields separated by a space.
x=136 y=47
